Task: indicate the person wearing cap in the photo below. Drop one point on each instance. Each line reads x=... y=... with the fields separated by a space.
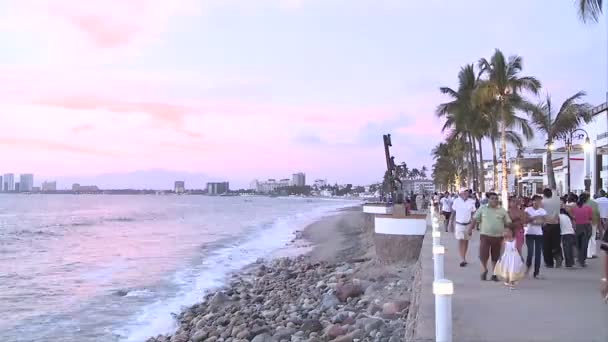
x=461 y=221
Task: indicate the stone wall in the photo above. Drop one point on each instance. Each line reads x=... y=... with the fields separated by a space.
x=412 y=316
x=397 y=248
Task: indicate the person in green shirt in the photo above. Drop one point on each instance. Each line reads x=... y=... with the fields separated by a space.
x=490 y=220
x=595 y=221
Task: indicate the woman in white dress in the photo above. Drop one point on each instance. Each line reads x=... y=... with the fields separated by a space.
x=510 y=267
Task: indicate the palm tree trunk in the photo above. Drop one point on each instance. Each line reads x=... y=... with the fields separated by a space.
x=474 y=161
x=503 y=144
x=550 y=171
x=482 y=176
x=494 y=164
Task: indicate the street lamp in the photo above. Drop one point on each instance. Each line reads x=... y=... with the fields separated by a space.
x=578 y=133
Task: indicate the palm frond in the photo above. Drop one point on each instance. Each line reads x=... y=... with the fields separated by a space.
x=590 y=10
x=514 y=139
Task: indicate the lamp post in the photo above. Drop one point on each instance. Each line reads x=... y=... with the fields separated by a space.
x=516 y=179
x=578 y=133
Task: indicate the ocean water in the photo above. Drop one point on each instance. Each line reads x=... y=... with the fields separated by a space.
x=115 y=268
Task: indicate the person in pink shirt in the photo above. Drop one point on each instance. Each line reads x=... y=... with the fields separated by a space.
x=583 y=215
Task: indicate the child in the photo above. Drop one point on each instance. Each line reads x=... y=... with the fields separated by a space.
x=510 y=267
x=568 y=237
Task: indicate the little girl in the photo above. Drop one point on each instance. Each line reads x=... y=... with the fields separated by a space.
x=510 y=267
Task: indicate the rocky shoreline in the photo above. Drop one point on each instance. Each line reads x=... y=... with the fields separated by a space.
x=303 y=300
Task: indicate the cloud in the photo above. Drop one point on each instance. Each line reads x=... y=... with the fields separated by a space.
x=52 y=146
x=93 y=32
x=308 y=139
x=162 y=114
x=82 y=128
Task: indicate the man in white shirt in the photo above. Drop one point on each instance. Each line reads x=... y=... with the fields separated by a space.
x=446 y=208
x=461 y=221
x=602 y=203
x=535 y=218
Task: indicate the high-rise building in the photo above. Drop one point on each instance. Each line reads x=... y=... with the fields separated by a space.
x=1 y=185
x=9 y=182
x=48 y=186
x=26 y=182
x=17 y=188
x=298 y=179
x=218 y=188
x=180 y=187
x=254 y=185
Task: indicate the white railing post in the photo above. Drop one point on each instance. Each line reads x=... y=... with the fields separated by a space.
x=443 y=290
x=436 y=238
x=438 y=262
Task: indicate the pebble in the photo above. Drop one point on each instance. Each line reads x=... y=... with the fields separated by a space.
x=294 y=300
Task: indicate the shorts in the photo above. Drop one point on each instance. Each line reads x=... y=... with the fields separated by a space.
x=489 y=246
x=461 y=231
x=446 y=215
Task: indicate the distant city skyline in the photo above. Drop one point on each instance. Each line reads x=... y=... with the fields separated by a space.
x=243 y=89
x=147 y=179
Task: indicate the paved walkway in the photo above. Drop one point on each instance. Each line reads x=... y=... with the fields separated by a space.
x=564 y=307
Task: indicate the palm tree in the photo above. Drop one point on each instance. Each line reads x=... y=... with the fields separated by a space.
x=423 y=172
x=448 y=168
x=590 y=10
x=415 y=173
x=501 y=88
x=569 y=116
x=462 y=118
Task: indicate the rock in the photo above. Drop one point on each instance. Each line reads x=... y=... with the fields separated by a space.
x=262 y=338
x=370 y=324
x=373 y=308
x=218 y=300
x=396 y=307
x=211 y=339
x=245 y=334
x=179 y=338
x=311 y=325
x=394 y=339
x=259 y=330
x=199 y=336
x=270 y=313
x=348 y=290
x=340 y=317
x=344 y=338
x=335 y=331
x=329 y=301
x=283 y=334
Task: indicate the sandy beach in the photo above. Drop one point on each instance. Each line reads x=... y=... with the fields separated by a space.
x=335 y=292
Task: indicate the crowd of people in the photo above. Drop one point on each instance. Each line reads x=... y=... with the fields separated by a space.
x=557 y=231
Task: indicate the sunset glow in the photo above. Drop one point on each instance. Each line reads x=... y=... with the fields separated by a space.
x=244 y=89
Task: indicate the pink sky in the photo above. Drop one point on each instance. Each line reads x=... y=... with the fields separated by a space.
x=234 y=89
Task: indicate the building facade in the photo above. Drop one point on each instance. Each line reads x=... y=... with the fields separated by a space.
x=271 y=185
x=26 y=182
x=298 y=179
x=48 y=186
x=8 y=182
x=418 y=186
x=179 y=187
x=218 y=188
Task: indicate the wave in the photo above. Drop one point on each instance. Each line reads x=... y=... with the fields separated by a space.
x=139 y=293
x=119 y=219
x=29 y=233
x=158 y=317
